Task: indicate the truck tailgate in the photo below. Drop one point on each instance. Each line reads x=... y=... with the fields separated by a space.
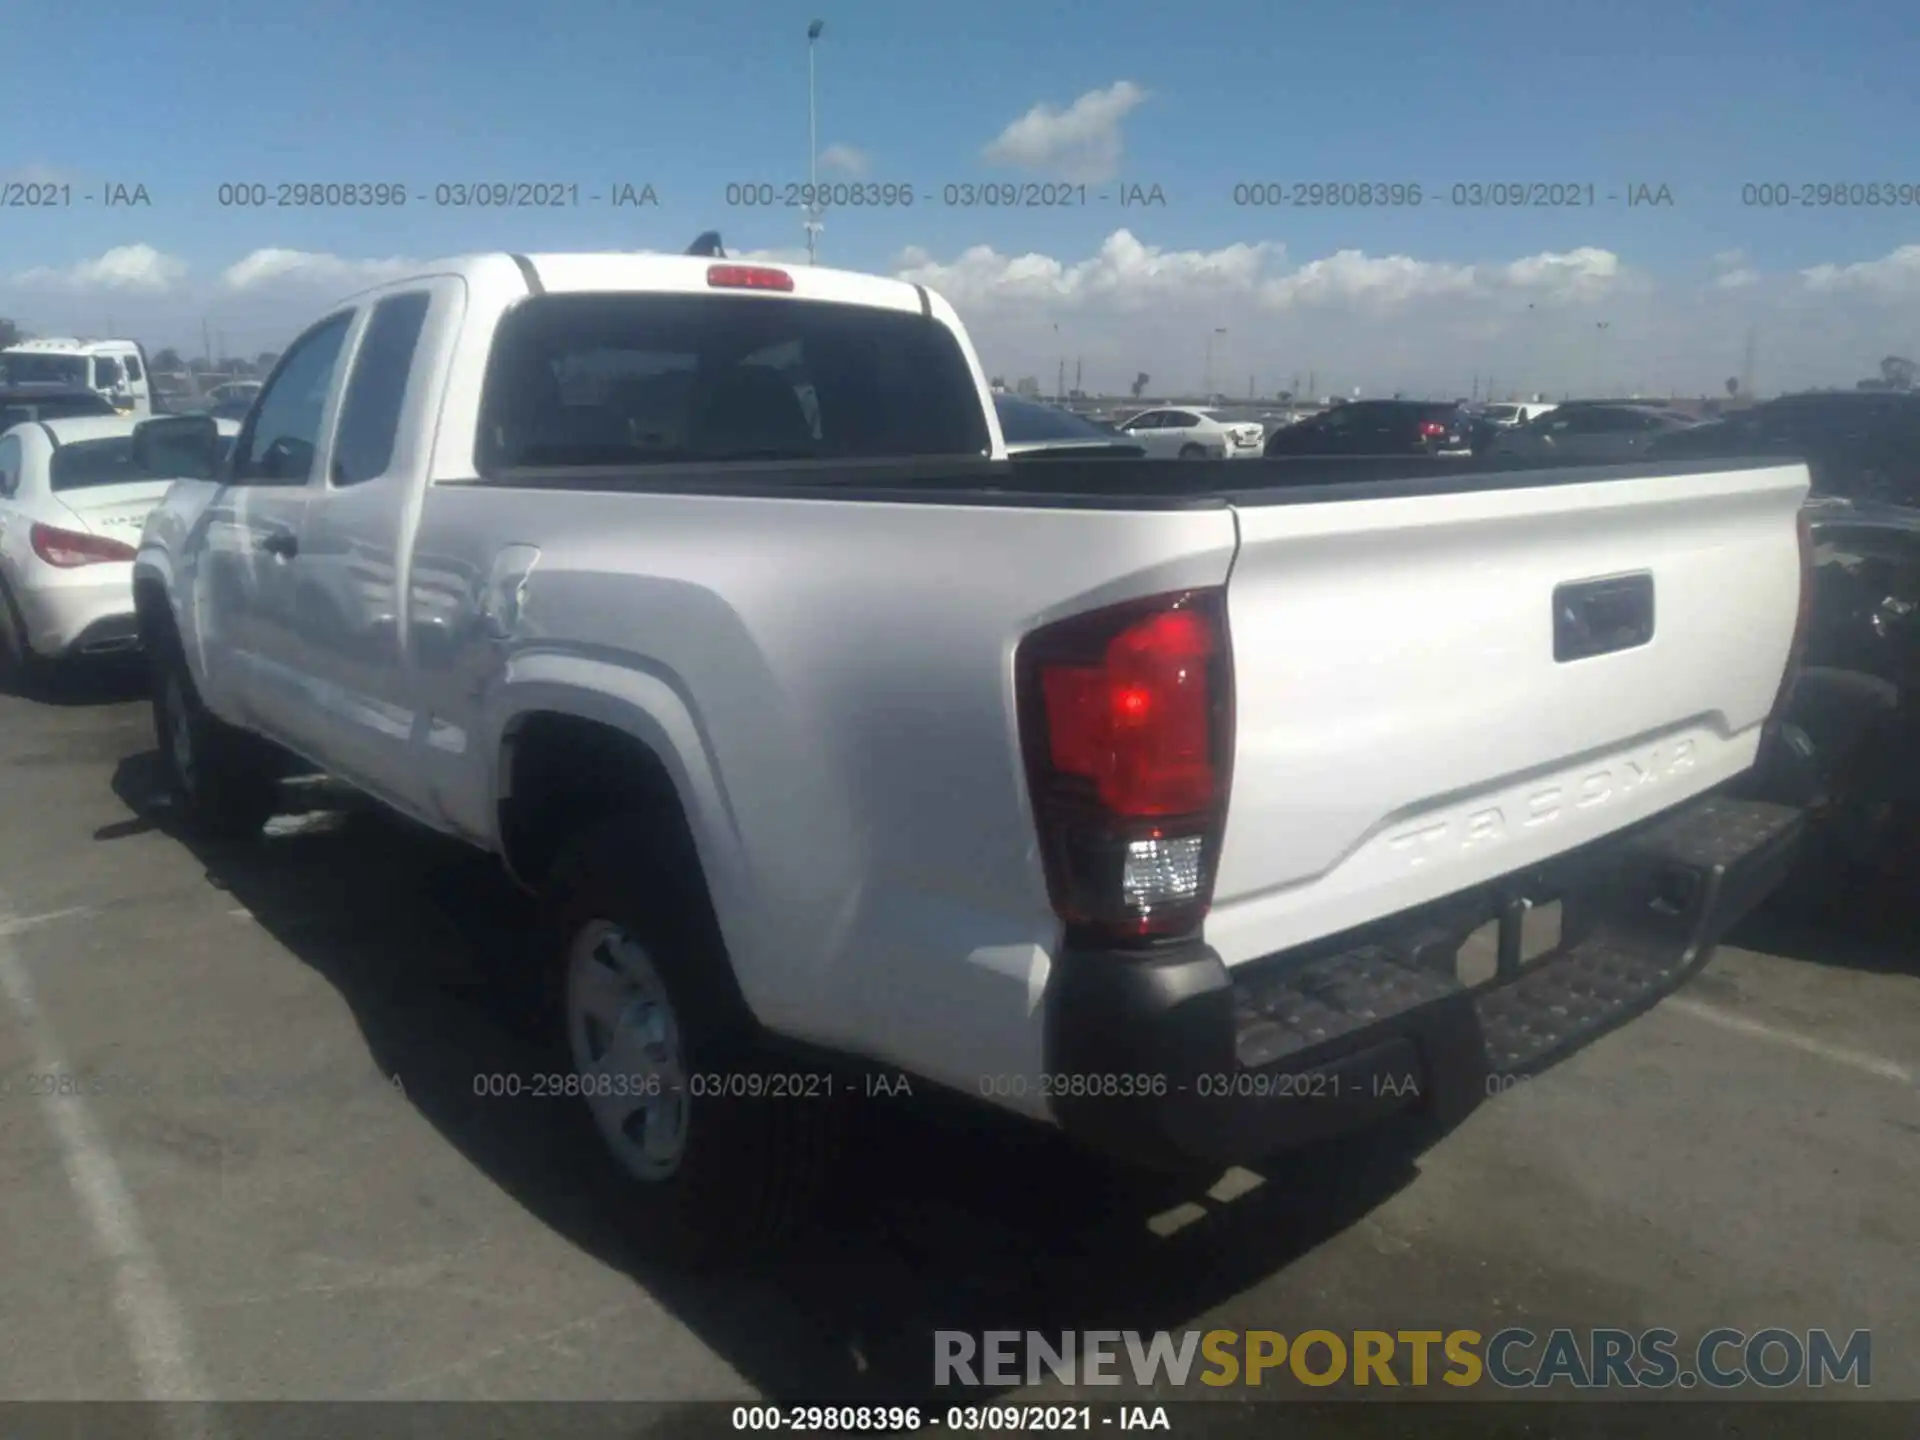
x=1403 y=727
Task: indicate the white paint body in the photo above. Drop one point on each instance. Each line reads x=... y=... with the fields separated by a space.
x=829 y=683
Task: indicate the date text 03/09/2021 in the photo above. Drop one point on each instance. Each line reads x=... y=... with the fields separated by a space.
x=1234 y=1085
x=701 y=1085
x=960 y=195
x=961 y=1419
x=473 y=194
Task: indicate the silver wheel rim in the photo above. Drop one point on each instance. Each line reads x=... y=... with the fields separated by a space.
x=179 y=734
x=625 y=1041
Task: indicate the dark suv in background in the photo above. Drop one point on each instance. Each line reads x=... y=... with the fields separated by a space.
x=1859 y=445
x=1850 y=750
x=1377 y=427
x=1592 y=432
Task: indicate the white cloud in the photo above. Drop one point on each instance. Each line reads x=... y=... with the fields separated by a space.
x=1127 y=274
x=1080 y=143
x=1730 y=259
x=1569 y=320
x=1893 y=274
x=1576 y=320
x=1570 y=274
x=845 y=159
x=136 y=268
x=1353 y=277
x=274 y=267
x=1123 y=275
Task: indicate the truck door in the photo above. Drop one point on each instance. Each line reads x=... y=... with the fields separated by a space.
x=139 y=387
x=356 y=548
x=252 y=563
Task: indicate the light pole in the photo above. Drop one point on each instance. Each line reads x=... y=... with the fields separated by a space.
x=1217 y=330
x=813 y=150
x=1600 y=328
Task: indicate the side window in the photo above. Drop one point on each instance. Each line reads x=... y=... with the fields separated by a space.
x=283 y=432
x=1181 y=420
x=1148 y=421
x=134 y=372
x=106 y=372
x=370 y=414
x=10 y=452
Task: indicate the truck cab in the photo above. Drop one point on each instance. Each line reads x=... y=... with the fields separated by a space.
x=114 y=369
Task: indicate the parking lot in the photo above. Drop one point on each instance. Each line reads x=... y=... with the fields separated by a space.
x=281 y=1184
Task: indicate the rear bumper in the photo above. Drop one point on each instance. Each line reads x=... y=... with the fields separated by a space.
x=83 y=611
x=1171 y=1058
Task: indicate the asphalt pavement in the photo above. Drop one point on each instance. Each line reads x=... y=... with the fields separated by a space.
x=277 y=1179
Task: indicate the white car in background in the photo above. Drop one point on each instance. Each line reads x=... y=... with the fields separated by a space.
x=1194 y=432
x=74 y=495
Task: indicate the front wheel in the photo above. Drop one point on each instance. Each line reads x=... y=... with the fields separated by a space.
x=223 y=778
x=724 y=1157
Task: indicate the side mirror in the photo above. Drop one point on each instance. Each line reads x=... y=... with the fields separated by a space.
x=177 y=447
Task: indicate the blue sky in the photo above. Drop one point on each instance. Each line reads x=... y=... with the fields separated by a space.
x=691 y=98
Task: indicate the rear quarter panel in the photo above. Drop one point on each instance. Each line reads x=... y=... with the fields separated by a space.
x=833 y=683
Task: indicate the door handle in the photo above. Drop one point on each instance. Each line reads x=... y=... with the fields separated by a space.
x=283 y=543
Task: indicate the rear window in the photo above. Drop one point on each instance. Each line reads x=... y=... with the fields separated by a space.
x=1022 y=422
x=82 y=464
x=86 y=463
x=1503 y=412
x=34 y=369
x=599 y=379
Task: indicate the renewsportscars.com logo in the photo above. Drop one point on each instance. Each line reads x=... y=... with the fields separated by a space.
x=1511 y=1359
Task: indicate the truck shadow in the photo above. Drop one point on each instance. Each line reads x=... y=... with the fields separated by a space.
x=945 y=1217
x=1874 y=928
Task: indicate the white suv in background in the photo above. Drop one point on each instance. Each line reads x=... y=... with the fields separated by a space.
x=1194 y=432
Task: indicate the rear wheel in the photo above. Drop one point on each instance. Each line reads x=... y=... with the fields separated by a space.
x=224 y=779
x=1193 y=452
x=22 y=669
x=665 y=1059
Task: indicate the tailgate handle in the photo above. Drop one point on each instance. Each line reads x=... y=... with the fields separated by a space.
x=1600 y=617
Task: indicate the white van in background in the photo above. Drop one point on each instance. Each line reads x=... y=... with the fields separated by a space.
x=1510 y=416
x=116 y=369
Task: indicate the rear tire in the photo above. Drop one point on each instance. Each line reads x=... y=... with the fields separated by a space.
x=642 y=1006
x=224 y=780
x=23 y=670
x=1193 y=452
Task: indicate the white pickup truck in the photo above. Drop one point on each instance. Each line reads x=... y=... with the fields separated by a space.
x=1148 y=799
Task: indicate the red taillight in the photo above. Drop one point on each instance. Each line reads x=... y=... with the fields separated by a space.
x=1802 y=620
x=1126 y=722
x=69 y=549
x=1432 y=429
x=748 y=277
